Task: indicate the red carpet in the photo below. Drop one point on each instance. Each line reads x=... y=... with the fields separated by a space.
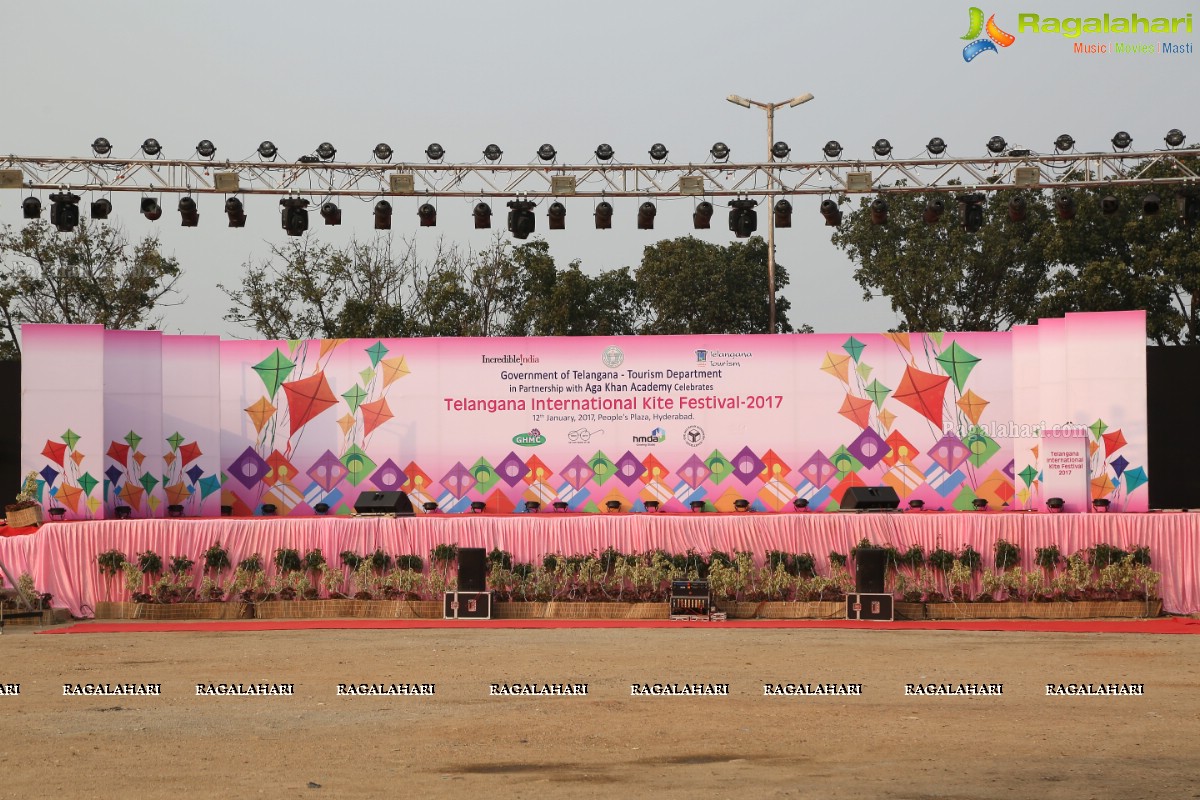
x=1164 y=625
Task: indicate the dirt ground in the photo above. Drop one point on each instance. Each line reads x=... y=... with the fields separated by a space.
x=463 y=743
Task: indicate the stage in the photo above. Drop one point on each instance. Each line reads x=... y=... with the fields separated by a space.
x=62 y=556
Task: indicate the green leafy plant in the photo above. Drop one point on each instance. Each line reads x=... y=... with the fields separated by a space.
x=287 y=559
x=27 y=497
x=1141 y=555
x=181 y=564
x=216 y=558
x=111 y=562
x=913 y=556
x=970 y=557
x=719 y=557
x=804 y=564
x=411 y=563
x=150 y=563
x=443 y=553
x=941 y=559
x=313 y=560
x=501 y=557
x=1008 y=555
x=380 y=561
x=350 y=559
x=1102 y=554
x=837 y=559
x=1047 y=557
x=251 y=564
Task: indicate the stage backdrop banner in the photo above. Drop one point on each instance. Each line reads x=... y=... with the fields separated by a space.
x=587 y=421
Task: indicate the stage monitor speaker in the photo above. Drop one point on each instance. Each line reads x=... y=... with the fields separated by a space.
x=870 y=498
x=381 y=503
x=472 y=569
x=870 y=563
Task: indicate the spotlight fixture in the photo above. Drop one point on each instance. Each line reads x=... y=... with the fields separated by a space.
x=604 y=152
x=719 y=152
x=428 y=215
x=382 y=152
x=936 y=146
x=645 y=217
x=980 y=503
x=651 y=505
x=1055 y=505
x=558 y=216
x=483 y=216
x=780 y=150
x=58 y=513
x=697 y=506
x=532 y=506
x=800 y=503
x=1109 y=205
x=1121 y=140
x=430 y=506
x=1189 y=208
x=972 y=211
x=603 y=214
x=383 y=216
x=1100 y=505
x=189 y=212
x=150 y=208
x=547 y=152
x=477 y=506
x=521 y=221
x=268 y=509
x=331 y=214
x=64 y=211
x=658 y=152
x=294 y=216
x=613 y=505
x=206 y=148
x=741 y=505
x=831 y=213
x=151 y=147
x=1151 y=204
x=321 y=508
x=124 y=512
x=101 y=146
x=236 y=213
x=1174 y=138
x=1064 y=206
x=933 y=211
x=435 y=152
x=916 y=505
x=783 y=213
x=492 y=152
x=1017 y=209
x=226 y=511
x=702 y=216
x=832 y=149
x=743 y=219
x=326 y=151
x=101 y=208
x=560 y=505
x=879 y=211
x=1065 y=142
x=882 y=148
x=175 y=511
x=267 y=150
x=996 y=145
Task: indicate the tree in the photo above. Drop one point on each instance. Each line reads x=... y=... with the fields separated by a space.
x=90 y=276
x=685 y=285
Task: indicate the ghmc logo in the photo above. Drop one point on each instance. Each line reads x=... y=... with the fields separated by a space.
x=995 y=36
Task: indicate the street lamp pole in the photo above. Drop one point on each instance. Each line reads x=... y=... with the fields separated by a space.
x=770 y=109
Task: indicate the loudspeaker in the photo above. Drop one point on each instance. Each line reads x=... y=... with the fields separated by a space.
x=870 y=606
x=472 y=569
x=869 y=566
x=870 y=498
x=384 y=503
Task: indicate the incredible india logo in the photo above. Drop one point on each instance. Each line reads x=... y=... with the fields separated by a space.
x=995 y=36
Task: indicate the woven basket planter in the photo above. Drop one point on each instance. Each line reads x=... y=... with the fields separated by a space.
x=519 y=610
x=1087 y=609
x=304 y=609
x=608 y=610
x=25 y=518
x=181 y=611
x=909 y=611
x=115 y=610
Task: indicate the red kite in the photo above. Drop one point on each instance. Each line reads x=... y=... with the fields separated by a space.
x=307 y=398
x=189 y=453
x=923 y=392
x=55 y=451
x=375 y=414
x=118 y=452
x=857 y=410
x=1114 y=441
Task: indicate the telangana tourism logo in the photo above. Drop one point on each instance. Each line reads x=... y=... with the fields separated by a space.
x=995 y=36
x=531 y=439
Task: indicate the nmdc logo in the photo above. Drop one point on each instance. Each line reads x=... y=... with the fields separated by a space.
x=531 y=439
x=657 y=436
x=995 y=36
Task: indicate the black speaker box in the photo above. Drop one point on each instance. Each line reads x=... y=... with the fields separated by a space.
x=870 y=498
x=472 y=569
x=384 y=503
x=870 y=563
x=876 y=607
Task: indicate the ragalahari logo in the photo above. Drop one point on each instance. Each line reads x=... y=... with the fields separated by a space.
x=995 y=36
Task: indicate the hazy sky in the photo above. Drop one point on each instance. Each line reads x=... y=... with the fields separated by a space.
x=573 y=74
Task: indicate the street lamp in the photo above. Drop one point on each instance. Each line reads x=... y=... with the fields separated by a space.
x=745 y=102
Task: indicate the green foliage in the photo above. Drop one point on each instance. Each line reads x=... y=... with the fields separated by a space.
x=287 y=559
x=941 y=559
x=313 y=560
x=719 y=557
x=1047 y=557
x=1008 y=555
x=149 y=563
x=970 y=558
x=837 y=559
x=350 y=559
x=501 y=557
x=804 y=564
x=216 y=558
x=913 y=556
x=413 y=563
x=443 y=554
x=1141 y=555
x=380 y=561
x=111 y=562
x=251 y=564
x=180 y=564
x=1103 y=554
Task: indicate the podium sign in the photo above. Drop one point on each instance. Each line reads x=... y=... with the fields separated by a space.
x=1065 y=460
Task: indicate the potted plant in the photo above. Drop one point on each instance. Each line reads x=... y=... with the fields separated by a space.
x=26 y=511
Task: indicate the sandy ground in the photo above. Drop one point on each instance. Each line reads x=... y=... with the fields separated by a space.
x=464 y=743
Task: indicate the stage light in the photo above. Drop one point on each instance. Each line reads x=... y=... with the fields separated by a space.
x=206 y=148
x=560 y=505
x=1122 y=141
x=1017 y=209
x=1064 y=206
x=1109 y=205
x=780 y=150
x=31 y=208
x=613 y=505
x=547 y=152
x=321 y=508
x=226 y=511
x=697 y=506
x=645 y=217
x=800 y=503
x=1055 y=505
x=936 y=146
x=294 y=215
x=702 y=216
x=832 y=149
x=477 y=506
x=435 y=152
x=741 y=505
x=980 y=504
x=831 y=213
x=879 y=211
x=651 y=505
x=882 y=147
x=236 y=213
x=189 y=212
x=658 y=152
x=101 y=208
x=532 y=506
x=996 y=145
x=1151 y=204
x=1100 y=505
x=558 y=216
x=972 y=211
x=492 y=152
x=64 y=211
x=151 y=147
x=383 y=216
x=428 y=215
x=1174 y=137
x=101 y=146
x=331 y=214
x=783 y=213
x=125 y=512
x=150 y=208
x=933 y=211
x=521 y=221
x=483 y=216
x=1065 y=142
x=430 y=506
x=604 y=152
x=175 y=511
x=382 y=152
x=326 y=151
x=268 y=509
x=1189 y=209
x=267 y=150
x=603 y=214
x=916 y=505
x=719 y=152
x=743 y=219
x=57 y=514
